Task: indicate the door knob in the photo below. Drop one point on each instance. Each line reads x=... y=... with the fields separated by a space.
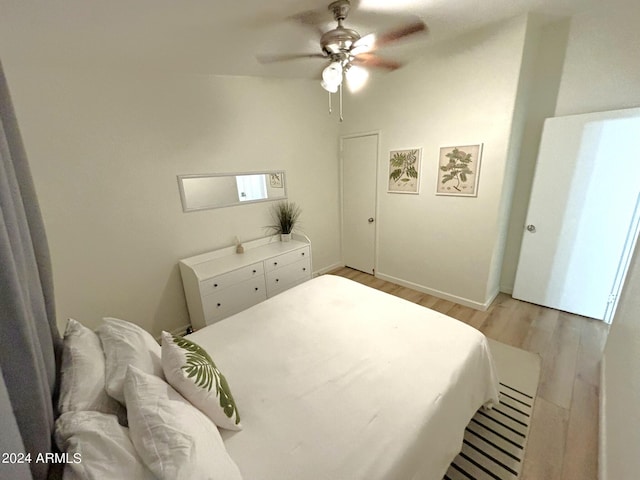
x=531 y=228
x=370 y=220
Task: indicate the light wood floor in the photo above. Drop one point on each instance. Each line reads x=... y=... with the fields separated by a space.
x=563 y=440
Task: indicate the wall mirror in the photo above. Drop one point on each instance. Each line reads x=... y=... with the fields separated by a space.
x=201 y=192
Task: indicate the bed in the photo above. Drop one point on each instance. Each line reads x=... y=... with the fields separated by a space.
x=333 y=379
x=336 y=380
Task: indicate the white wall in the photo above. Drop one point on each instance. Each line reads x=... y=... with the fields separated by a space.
x=620 y=393
x=601 y=70
x=601 y=73
x=524 y=95
x=546 y=45
x=105 y=150
x=458 y=93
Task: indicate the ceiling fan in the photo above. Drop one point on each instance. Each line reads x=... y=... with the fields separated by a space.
x=346 y=51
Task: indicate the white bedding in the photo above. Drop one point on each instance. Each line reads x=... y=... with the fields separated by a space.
x=334 y=380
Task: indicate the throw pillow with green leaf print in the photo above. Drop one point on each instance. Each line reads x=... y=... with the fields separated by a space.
x=190 y=370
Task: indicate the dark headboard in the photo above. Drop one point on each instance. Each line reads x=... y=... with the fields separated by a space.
x=29 y=339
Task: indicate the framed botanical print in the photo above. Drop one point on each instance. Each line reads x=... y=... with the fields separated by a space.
x=459 y=170
x=404 y=170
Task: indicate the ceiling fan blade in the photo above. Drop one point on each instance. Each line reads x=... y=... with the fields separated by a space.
x=399 y=33
x=286 y=57
x=372 y=60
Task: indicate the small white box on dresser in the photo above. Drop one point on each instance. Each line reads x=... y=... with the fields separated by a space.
x=220 y=283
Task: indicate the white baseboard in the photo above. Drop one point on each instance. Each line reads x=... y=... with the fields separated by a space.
x=507 y=290
x=602 y=428
x=324 y=270
x=437 y=293
x=490 y=300
x=420 y=288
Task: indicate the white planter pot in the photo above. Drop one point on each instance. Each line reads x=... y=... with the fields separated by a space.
x=285 y=237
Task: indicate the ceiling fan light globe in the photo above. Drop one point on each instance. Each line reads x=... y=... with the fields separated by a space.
x=356 y=78
x=332 y=74
x=329 y=87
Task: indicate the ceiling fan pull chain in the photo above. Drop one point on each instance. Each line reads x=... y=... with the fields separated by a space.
x=329 y=103
x=340 y=91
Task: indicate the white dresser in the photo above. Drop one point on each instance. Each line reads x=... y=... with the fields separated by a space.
x=222 y=282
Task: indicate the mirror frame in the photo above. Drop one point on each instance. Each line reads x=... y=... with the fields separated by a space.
x=183 y=198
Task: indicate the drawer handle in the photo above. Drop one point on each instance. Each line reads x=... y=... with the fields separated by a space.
x=304 y=269
x=215 y=285
x=277 y=280
x=256 y=289
x=275 y=263
x=303 y=254
x=219 y=305
x=255 y=271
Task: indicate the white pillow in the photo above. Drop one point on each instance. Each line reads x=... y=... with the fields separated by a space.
x=82 y=379
x=191 y=371
x=174 y=439
x=98 y=448
x=127 y=344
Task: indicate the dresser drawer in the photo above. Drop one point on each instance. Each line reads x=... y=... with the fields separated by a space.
x=285 y=277
x=233 y=299
x=220 y=282
x=286 y=259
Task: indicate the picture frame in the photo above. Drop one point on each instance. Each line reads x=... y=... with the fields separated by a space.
x=404 y=171
x=459 y=170
x=275 y=180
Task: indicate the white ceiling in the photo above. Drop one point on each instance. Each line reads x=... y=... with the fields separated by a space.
x=223 y=36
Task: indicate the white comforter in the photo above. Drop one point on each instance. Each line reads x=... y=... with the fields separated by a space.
x=334 y=380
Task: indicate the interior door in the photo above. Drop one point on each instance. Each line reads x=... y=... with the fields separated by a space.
x=359 y=177
x=580 y=212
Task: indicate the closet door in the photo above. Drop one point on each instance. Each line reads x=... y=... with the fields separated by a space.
x=359 y=175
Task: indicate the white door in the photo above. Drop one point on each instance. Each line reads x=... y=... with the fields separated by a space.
x=580 y=212
x=359 y=177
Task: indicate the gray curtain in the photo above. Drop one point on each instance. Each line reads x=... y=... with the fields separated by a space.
x=29 y=339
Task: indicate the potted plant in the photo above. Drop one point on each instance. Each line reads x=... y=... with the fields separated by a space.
x=285 y=214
